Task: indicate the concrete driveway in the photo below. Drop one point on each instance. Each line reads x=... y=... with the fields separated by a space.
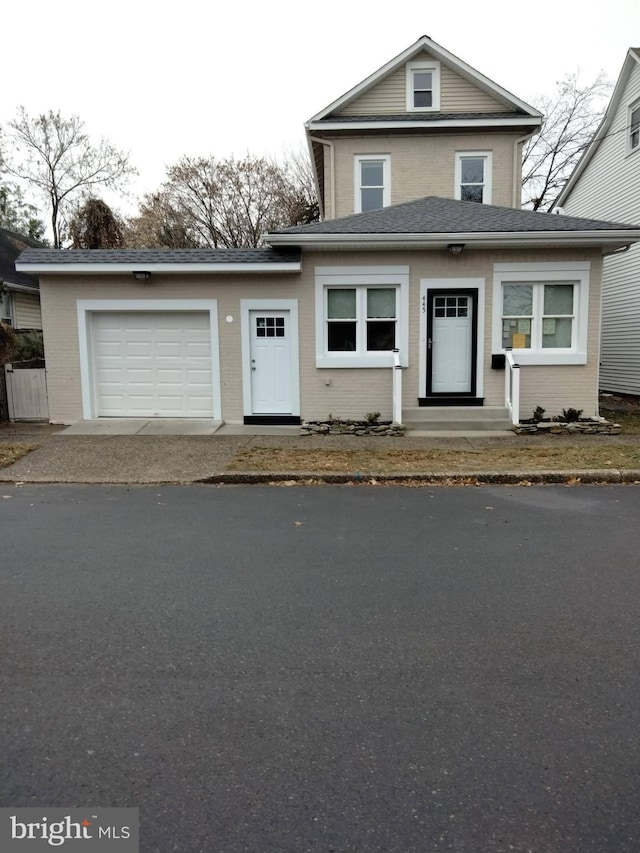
x=330 y=669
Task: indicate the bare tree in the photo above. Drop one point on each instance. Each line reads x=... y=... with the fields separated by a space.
x=17 y=215
x=572 y=116
x=224 y=203
x=95 y=226
x=54 y=156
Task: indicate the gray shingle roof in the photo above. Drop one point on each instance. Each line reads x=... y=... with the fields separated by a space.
x=426 y=117
x=140 y=257
x=433 y=215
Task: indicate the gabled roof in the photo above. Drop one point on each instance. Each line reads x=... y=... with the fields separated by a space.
x=265 y=260
x=434 y=222
x=11 y=245
x=438 y=52
x=631 y=60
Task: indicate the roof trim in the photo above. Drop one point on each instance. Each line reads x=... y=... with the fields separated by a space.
x=439 y=52
x=25 y=288
x=192 y=268
x=474 y=239
x=633 y=56
x=336 y=124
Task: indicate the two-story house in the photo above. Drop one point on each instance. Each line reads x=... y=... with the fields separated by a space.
x=606 y=184
x=422 y=250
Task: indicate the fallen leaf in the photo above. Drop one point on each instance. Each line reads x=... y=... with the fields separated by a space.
x=6 y=497
x=298 y=523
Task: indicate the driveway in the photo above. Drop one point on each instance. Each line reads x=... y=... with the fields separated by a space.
x=326 y=669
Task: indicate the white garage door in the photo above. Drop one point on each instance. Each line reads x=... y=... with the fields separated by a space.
x=152 y=364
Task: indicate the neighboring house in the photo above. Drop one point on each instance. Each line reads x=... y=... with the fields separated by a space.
x=423 y=248
x=606 y=184
x=20 y=303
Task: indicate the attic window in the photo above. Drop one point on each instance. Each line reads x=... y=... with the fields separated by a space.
x=423 y=86
x=634 y=127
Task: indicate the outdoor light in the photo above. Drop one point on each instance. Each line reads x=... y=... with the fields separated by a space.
x=141 y=275
x=455 y=248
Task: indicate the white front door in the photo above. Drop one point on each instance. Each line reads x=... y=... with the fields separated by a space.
x=451 y=343
x=270 y=354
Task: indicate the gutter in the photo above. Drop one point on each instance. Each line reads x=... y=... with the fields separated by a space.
x=165 y=269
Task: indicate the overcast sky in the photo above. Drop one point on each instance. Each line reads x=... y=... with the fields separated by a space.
x=166 y=79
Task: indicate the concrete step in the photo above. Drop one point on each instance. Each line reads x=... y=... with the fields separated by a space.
x=455 y=418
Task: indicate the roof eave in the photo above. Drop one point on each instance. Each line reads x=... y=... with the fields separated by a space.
x=186 y=269
x=517 y=121
x=474 y=239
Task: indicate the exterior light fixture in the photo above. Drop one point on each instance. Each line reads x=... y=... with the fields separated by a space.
x=455 y=248
x=141 y=275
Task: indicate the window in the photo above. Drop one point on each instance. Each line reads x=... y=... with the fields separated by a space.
x=634 y=127
x=423 y=86
x=361 y=315
x=6 y=313
x=541 y=312
x=473 y=176
x=372 y=184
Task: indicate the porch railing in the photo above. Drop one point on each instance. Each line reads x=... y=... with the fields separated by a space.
x=512 y=387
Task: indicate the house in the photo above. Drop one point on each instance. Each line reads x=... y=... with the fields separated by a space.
x=20 y=302
x=606 y=184
x=422 y=249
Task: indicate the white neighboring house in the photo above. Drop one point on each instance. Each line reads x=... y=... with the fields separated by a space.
x=20 y=299
x=606 y=185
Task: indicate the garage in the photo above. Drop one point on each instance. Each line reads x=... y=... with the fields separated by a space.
x=152 y=364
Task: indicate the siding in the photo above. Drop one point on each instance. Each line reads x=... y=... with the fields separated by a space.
x=350 y=393
x=609 y=188
x=27 y=310
x=422 y=166
x=388 y=96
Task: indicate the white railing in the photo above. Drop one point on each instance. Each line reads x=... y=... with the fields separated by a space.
x=512 y=387
x=397 y=387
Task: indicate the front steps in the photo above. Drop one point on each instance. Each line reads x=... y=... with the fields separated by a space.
x=455 y=419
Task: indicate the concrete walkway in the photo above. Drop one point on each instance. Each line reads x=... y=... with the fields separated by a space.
x=147 y=453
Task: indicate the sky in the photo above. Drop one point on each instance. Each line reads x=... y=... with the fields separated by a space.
x=162 y=80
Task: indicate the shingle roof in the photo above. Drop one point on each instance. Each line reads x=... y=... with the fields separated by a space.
x=423 y=117
x=433 y=215
x=11 y=245
x=142 y=257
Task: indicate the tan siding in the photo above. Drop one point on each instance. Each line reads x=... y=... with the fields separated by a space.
x=422 y=166
x=27 y=310
x=389 y=96
x=340 y=392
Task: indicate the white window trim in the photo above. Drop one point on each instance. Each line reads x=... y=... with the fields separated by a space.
x=634 y=106
x=487 y=156
x=87 y=307
x=357 y=177
x=423 y=65
x=9 y=311
x=328 y=277
x=573 y=273
x=290 y=305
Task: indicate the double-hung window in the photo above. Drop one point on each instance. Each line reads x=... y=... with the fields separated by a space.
x=473 y=176
x=634 y=127
x=372 y=182
x=361 y=316
x=541 y=312
x=423 y=86
x=6 y=312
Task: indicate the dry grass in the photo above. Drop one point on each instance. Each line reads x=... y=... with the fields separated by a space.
x=391 y=461
x=11 y=451
x=629 y=421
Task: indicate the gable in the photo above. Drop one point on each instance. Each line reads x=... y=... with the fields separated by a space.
x=388 y=96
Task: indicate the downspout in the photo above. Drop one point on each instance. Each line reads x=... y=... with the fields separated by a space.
x=517 y=186
x=332 y=169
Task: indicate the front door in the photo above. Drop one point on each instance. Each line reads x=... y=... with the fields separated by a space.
x=451 y=344
x=270 y=333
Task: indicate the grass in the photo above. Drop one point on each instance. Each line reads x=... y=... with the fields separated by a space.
x=11 y=451
x=396 y=461
x=629 y=421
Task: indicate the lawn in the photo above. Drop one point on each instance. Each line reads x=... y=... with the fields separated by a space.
x=560 y=457
x=11 y=451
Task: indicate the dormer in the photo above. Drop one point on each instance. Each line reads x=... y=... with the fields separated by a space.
x=426 y=123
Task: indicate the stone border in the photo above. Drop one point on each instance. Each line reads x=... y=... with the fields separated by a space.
x=337 y=426
x=582 y=427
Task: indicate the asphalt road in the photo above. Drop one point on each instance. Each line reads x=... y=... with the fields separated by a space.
x=281 y=670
